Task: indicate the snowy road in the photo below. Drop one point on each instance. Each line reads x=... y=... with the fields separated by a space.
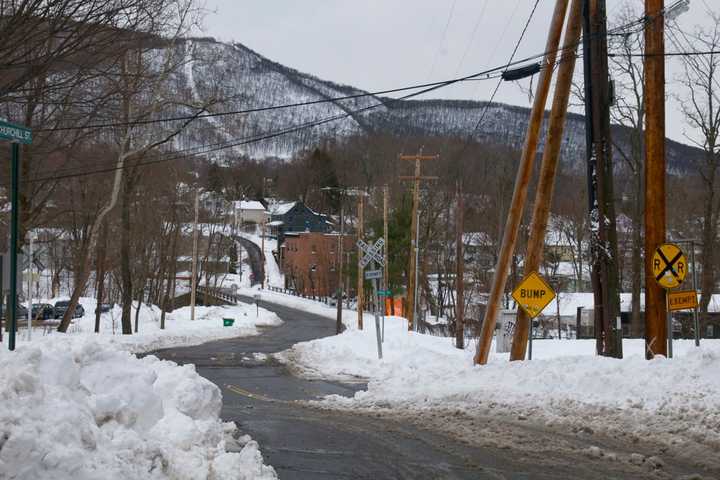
x=302 y=442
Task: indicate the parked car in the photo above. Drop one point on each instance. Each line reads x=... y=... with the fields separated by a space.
x=43 y=311
x=106 y=307
x=62 y=306
x=21 y=311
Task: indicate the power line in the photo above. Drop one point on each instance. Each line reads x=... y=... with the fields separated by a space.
x=203 y=149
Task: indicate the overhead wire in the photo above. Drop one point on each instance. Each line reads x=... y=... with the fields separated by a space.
x=203 y=149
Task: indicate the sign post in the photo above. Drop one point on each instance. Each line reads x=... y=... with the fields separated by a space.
x=374 y=255
x=533 y=295
x=17 y=135
x=669 y=267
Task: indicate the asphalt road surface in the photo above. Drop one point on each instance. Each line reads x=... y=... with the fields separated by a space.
x=303 y=442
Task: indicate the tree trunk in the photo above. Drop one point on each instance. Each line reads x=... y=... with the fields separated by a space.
x=100 y=273
x=707 y=280
x=636 y=320
x=137 y=312
x=125 y=271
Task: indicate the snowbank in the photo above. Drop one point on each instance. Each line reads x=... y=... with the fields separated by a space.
x=565 y=383
x=179 y=329
x=76 y=408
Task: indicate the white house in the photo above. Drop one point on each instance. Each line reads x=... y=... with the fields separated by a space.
x=250 y=211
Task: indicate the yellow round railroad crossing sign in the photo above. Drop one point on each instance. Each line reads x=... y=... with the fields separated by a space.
x=669 y=265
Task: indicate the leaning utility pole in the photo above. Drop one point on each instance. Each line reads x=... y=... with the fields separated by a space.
x=655 y=307
x=193 y=268
x=360 y=279
x=414 y=227
x=550 y=158
x=522 y=181
x=459 y=271
x=603 y=233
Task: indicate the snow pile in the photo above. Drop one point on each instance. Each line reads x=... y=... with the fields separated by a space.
x=79 y=409
x=565 y=383
x=179 y=329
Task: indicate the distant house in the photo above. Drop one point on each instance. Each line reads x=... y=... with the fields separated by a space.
x=250 y=211
x=296 y=217
x=309 y=262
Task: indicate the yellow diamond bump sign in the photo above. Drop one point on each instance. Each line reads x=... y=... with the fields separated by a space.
x=533 y=294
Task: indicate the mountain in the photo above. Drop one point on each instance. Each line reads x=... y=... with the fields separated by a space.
x=246 y=80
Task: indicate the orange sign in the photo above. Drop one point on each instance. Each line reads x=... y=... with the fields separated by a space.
x=682 y=300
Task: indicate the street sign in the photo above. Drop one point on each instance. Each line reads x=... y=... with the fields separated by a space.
x=533 y=294
x=373 y=252
x=15 y=133
x=682 y=300
x=385 y=293
x=373 y=274
x=669 y=265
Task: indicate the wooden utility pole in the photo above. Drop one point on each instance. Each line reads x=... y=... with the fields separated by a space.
x=386 y=279
x=360 y=275
x=417 y=178
x=459 y=271
x=339 y=291
x=193 y=268
x=655 y=307
x=551 y=155
x=522 y=180
x=603 y=233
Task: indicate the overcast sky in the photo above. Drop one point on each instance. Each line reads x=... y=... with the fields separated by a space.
x=382 y=44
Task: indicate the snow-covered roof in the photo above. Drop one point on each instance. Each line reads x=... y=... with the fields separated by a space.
x=275 y=223
x=282 y=208
x=477 y=239
x=249 y=205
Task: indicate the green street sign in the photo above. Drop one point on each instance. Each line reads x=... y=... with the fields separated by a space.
x=384 y=293
x=15 y=133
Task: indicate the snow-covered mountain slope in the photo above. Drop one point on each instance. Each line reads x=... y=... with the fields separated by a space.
x=243 y=79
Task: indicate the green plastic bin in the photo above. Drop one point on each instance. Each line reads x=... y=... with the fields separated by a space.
x=228 y=322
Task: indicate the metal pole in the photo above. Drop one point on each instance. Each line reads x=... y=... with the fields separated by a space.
x=670 y=336
x=262 y=254
x=193 y=279
x=655 y=325
x=522 y=181
x=548 y=169
x=377 y=317
x=696 y=319
x=530 y=338
x=2 y=296
x=14 y=215
x=29 y=287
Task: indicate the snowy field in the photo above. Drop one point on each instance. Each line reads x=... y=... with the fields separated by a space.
x=676 y=401
x=82 y=406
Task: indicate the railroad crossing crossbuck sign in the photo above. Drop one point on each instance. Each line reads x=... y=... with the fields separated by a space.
x=669 y=265
x=533 y=294
x=372 y=252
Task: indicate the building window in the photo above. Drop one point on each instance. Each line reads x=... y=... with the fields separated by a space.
x=313 y=249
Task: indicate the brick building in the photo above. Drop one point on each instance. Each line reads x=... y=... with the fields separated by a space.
x=309 y=262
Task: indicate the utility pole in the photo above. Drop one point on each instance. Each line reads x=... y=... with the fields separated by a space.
x=193 y=279
x=414 y=227
x=522 y=181
x=386 y=278
x=339 y=292
x=655 y=307
x=360 y=279
x=603 y=233
x=548 y=168
x=459 y=271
